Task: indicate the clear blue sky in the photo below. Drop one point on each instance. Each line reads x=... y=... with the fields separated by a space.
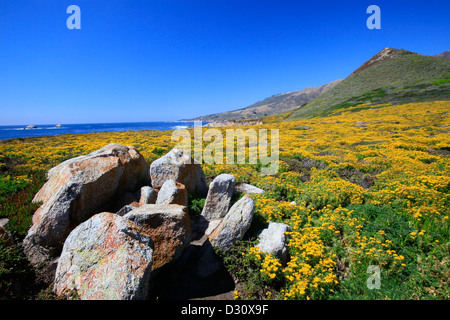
x=172 y=59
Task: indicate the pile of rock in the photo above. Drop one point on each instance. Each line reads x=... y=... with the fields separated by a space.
x=108 y=224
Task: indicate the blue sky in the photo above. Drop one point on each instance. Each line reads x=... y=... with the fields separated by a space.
x=166 y=60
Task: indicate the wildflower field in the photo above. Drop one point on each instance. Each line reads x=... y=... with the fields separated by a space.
x=364 y=186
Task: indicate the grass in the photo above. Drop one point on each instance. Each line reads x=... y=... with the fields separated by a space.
x=441 y=81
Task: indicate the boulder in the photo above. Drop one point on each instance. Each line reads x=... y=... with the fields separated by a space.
x=107 y=257
x=234 y=225
x=178 y=165
x=4 y=222
x=248 y=188
x=220 y=192
x=172 y=192
x=77 y=189
x=169 y=227
x=147 y=195
x=273 y=240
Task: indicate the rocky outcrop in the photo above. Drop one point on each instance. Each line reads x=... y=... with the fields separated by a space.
x=107 y=257
x=218 y=200
x=168 y=226
x=119 y=238
x=178 y=165
x=274 y=240
x=77 y=189
x=234 y=225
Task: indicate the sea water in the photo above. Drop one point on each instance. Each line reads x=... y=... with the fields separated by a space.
x=19 y=131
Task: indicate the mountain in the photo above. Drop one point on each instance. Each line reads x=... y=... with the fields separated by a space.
x=445 y=55
x=391 y=76
x=276 y=104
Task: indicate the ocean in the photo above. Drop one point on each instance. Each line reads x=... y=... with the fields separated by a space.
x=12 y=132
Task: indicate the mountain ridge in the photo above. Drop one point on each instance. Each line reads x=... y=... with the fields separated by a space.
x=444 y=55
x=275 y=104
x=391 y=76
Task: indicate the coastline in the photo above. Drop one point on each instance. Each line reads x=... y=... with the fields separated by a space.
x=19 y=131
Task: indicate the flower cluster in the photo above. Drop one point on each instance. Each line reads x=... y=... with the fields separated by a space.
x=270 y=266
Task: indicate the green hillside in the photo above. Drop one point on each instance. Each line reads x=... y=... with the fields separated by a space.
x=392 y=76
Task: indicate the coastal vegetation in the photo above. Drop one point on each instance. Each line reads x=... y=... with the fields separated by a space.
x=365 y=185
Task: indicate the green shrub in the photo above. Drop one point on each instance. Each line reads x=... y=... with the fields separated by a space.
x=15 y=272
x=195 y=204
x=160 y=151
x=441 y=81
x=16 y=196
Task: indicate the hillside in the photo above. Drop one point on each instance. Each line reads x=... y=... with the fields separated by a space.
x=392 y=76
x=275 y=104
x=445 y=55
